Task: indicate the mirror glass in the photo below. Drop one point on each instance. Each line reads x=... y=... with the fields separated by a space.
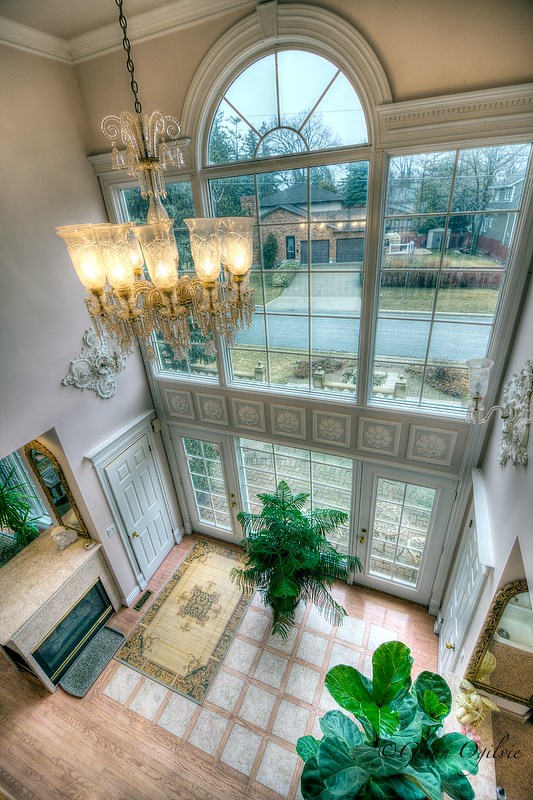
x=51 y=477
x=503 y=660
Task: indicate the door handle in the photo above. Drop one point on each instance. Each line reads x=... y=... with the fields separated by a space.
x=450 y=646
x=362 y=539
x=232 y=504
x=135 y=535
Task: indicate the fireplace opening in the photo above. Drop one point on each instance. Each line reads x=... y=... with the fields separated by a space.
x=56 y=652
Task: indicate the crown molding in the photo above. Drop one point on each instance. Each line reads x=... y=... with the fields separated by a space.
x=141 y=27
x=22 y=37
x=151 y=24
x=489 y=112
x=103 y=162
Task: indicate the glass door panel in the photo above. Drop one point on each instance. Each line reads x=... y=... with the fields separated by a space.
x=403 y=521
x=207 y=475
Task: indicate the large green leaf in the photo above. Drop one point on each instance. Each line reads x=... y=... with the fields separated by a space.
x=436 y=684
x=458 y=787
x=433 y=706
x=381 y=789
x=391 y=672
x=383 y=721
x=455 y=753
x=335 y=723
x=312 y=785
x=407 y=709
x=348 y=687
x=406 y=790
x=382 y=761
x=307 y=747
x=337 y=769
x=428 y=782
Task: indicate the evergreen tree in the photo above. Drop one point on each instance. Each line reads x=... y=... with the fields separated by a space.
x=356 y=187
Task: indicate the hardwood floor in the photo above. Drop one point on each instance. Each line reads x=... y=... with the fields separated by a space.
x=55 y=746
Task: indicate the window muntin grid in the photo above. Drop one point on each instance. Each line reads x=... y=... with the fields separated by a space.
x=448 y=232
x=327 y=479
x=204 y=464
x=305 y=331
x=398 y=536
x=269 y=110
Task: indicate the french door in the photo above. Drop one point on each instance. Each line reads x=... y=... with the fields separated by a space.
x=207 y=470
x=402 y=522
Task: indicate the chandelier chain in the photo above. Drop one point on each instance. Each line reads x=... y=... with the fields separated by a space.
x=126 y=44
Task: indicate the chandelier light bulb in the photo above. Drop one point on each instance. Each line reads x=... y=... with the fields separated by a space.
x=115 y=249
x=236 y=244
x=205 y=247
x=84 y=252
x=160 y=253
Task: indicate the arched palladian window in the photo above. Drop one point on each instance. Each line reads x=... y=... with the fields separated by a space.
x=287 y=102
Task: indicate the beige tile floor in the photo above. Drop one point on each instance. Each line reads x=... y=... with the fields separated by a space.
x=268 y=691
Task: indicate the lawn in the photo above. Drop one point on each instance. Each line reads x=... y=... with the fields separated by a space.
x=462 y=301
x=271 y=292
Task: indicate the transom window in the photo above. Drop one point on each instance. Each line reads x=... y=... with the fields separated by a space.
x=271 y=110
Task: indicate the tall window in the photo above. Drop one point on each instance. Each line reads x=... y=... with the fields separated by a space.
x=311 y=220
x=447 y=238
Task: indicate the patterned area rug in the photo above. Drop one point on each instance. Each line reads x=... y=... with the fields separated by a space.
x=183 y=637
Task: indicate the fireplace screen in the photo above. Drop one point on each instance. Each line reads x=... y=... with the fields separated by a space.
x=66 y=641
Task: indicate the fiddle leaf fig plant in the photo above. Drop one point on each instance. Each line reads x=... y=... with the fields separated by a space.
x=391 y=747
x=289 y=558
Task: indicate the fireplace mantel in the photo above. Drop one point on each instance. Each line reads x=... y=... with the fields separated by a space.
x=40 y=585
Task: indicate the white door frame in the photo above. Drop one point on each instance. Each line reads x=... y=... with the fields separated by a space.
x=103 y=455
x=229 y=467
x=445 y=491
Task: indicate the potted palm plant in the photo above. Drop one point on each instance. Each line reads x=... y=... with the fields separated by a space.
x=289 y=558
x=16 y=522
x=390 y=744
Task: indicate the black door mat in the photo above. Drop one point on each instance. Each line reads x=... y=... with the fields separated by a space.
x=79 y=678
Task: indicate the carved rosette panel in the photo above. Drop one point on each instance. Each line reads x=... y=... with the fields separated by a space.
x=213 y=409
x=331 y=428
x=431 y=445
x=288 y=421
x=179 y=404
x=95 y=366
x=379 y=436
x=249 y=415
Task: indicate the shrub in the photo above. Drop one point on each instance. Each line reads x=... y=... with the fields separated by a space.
x=446 y=379
x=350 y=376
x=327 y=363
x=284 y=274
x=270 y=251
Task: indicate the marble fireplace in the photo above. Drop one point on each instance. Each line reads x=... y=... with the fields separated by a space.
x=51 y=604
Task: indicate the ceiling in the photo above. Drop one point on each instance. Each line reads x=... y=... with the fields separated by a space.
x=69 y=18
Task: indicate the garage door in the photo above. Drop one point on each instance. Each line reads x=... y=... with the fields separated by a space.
x=349 y=250
x=319 y=251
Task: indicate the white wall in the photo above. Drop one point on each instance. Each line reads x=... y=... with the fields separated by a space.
x=509 y=492
x=47 y=181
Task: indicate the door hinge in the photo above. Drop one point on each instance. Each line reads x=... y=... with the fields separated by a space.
x=149 y=447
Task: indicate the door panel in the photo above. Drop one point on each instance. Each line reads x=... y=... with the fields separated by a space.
x=402 y=525
x=207 y=471
x=140 y=499
x=319 y=251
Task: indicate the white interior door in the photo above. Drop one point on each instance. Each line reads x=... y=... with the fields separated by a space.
x=140 y=498
x=403 y=520
x=467 y=583
x=207 y=470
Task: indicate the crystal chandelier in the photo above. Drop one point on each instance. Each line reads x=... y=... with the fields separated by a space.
x=131 y=271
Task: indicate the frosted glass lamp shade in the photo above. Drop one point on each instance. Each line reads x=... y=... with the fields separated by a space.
x=160 y=253
x=205 y=247
x=118 y=254
x=84 y=252
x=236 y=245
x=479 y=369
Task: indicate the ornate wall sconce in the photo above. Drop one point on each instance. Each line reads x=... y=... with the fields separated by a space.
x=514 y=408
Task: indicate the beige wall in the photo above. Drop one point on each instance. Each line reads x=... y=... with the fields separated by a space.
x=46 y=181
x=426 y=47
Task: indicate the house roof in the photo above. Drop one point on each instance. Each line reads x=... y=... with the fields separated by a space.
x=297 y=196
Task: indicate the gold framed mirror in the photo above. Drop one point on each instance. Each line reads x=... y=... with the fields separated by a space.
x=54 y=484
x=502 y=662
